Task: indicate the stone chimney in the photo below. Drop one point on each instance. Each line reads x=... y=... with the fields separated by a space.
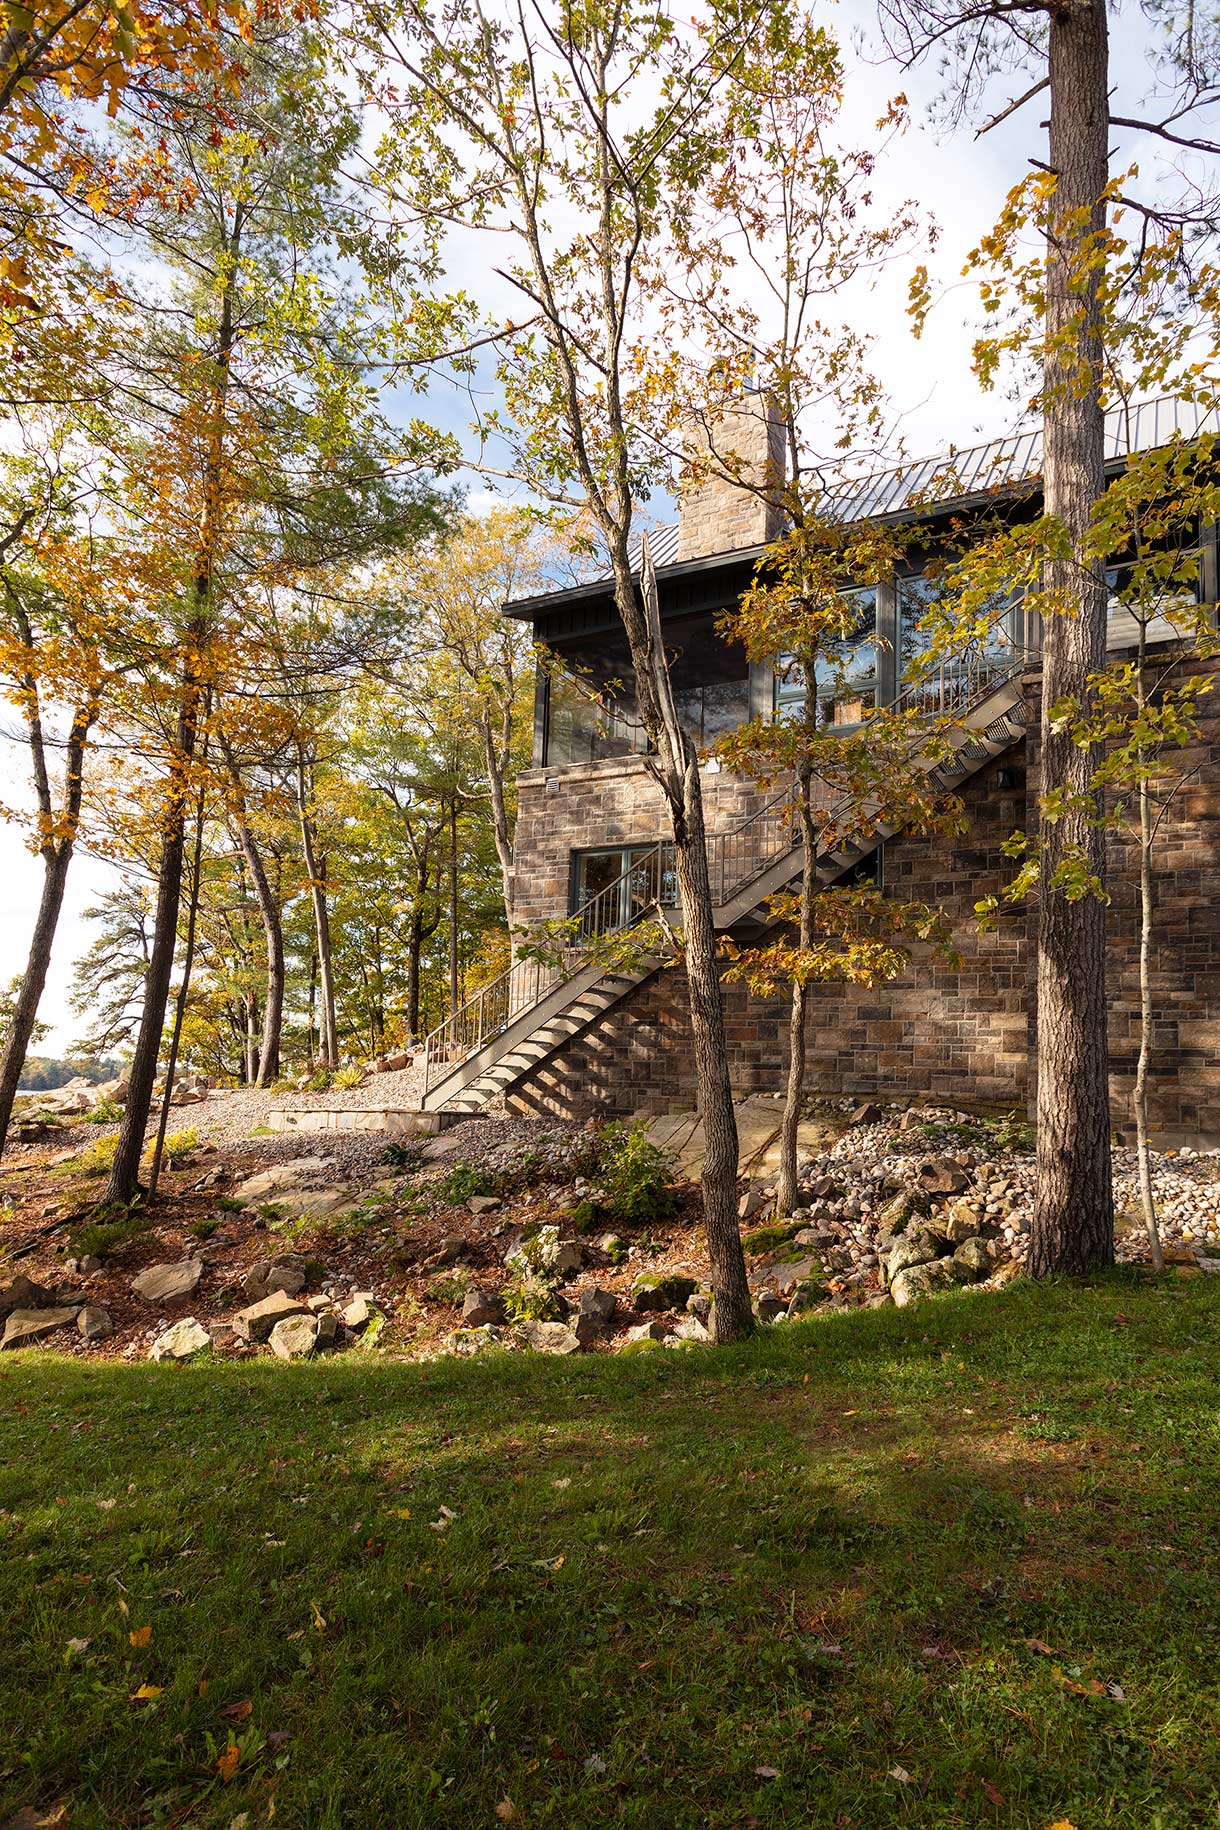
x=716 y=514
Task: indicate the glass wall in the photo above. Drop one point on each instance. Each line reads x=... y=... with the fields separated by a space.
x=846 y=684
x=591 y=711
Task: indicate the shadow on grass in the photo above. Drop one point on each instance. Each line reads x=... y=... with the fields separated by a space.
x=792 y=1583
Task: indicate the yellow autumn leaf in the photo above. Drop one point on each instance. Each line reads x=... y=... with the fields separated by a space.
x=146 y=1693
x=229 y=1762
x=140 y=1636
x=504 y=1811
x=319 y=1619
x=1061 y=1823
x=400 y=1512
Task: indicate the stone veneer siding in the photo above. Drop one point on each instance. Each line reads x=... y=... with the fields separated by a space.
x=950 y=1033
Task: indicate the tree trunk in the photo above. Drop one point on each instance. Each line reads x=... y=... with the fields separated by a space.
x=454 y=986
x=56 y=859
x=495 y=768
x=125 y=1169
x=328 y=1039
x=273 y=935
x=786 y=1191
x=1073 y=1219
x=188 y=961
x=676 y=769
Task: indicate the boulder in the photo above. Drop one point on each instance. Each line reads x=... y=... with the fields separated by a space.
x=285 y=1274
x=25 y=1326
x=661 y=1290
x=867 y=1114
x=168 y=1283
x=692 y=1329
x=256 y=1322
x=545 y=1255
x=753 y=1201
x=647 y=1331
x=94 y=1322
x=328 y=1331
x=548 y=1337
x=185 y=1340
x=464 y=1343
x=588 y=1329
x=784 y=1277
x=447 y=1252
x=942 y=1176
x=357 y=1314
x=483 y=1204
x=974 y=1256
x=270 y=1182
x=911 y=1250
x=897 y=1214
x=394 y=1064
x=927 y=1280
x=23 y=1293
x=295 y=1338
x=481 y=1308
x=769 y=1308
x=597 y=1303
x=700 y=1306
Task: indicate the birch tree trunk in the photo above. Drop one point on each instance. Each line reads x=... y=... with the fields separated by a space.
x=1073 y=1220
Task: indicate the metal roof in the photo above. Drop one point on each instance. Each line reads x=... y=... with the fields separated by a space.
x=958 y=476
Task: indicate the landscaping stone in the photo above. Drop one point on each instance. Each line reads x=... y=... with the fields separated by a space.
x=26 y=1326
x=257 y=1322
x=589 y=1329
x=94 y=1322
x=184 y=1340
x=598 y=1304
x=466 y=1342
x=483 y=1204
x=284 y=1274
x=647 y=1331
x=548 y=1337
x=357 y=1314
x=768 y=1308
x=295 y=1338
x=481 y=1307
x=752 y=1202
x=942 y=1176
x=911 y=1250
x=700 y=1305
x=927 y=1280
x=328 y=1331
x=661 y=1290
x=974 y=1256
x=543 y=1254
x=692 y=1329
x=268 y=1183
x=782 y=1277
x=23 y=1293
x=168 y=1283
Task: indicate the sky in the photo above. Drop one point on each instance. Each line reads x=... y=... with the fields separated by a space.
x=957 y=179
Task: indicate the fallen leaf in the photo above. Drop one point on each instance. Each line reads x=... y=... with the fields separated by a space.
x=900 y=1774
x=140 y=1636
x=995 y=1796
x=319 y=1619
x=278 y=1738
x=1061 y=1823
x=1040 y=1645
x=238 y=1712
x=504 y=1811
x=229 y=1762
x=240 y=1822
x=766 y=1772
x=106 y=1505
x=78 y=1645
x=565 y=1482
x=400 y=1512
x=146 y=1693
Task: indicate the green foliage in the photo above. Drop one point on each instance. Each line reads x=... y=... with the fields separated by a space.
x=203 y=1229
x=405 y=1156
x=450 y=1290
x=532 y=1300
x=635 y=1175
x=99 y=1236
x=95 y=1159
x=319 y=1082
x=105 y=1112
x=463 y=1181
x=1011 y=1133
x=349 y=1076
x=178 y=1145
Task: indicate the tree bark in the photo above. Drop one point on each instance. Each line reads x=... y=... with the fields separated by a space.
x=154 y=1170
x=1073 y=1220
x=495 y=762
x=454 y=985
x=328 y=1040
x=56 y=857
x=273 y=933
x=786 y=1190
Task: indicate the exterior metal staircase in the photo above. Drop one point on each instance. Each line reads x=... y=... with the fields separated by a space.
x=514 y=1023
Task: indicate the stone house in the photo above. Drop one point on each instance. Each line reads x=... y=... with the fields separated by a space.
x=591 y=827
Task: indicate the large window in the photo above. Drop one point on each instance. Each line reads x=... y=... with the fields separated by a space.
x=845 y=683
x=951 y=678
x=616 y=885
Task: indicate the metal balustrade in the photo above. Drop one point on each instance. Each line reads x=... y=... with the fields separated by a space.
x=948 y=690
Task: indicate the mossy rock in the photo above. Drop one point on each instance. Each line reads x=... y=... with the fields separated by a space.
x=775 y=1233
x=661 y=1290
x=634 y=1347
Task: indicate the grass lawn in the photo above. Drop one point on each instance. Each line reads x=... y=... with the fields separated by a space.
x=946 y=1566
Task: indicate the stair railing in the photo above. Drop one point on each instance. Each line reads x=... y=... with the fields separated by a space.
x=950 y=688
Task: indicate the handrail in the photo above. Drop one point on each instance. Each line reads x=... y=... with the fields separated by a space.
x=736 y=858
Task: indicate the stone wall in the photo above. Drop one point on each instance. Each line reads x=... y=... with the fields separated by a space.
x=950 y=1032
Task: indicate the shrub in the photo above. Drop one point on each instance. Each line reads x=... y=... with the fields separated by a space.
x=449 y=1290
x=179 y=1144
x=203 y=1229
x=320 y=1081
x=531 y=1301
x=105 y=1112
x=464 y=1180
x=349 y=1076
x=635 y=1176
x=98 y=1237
x=1012 y=1132
x=96 y=1159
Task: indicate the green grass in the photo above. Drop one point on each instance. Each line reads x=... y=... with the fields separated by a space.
x=683 y=1589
